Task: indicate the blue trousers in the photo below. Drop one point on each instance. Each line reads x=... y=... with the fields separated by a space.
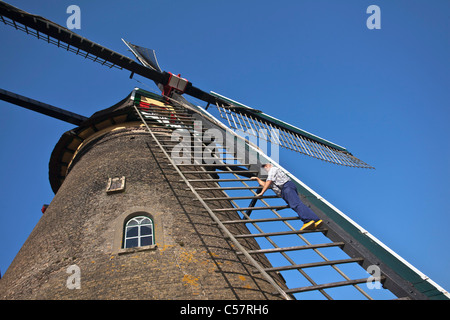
x=290 y=195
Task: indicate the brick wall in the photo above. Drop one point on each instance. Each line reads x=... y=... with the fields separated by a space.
x=83 y=226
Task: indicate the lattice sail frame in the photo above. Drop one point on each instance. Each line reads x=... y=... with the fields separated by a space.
x=262 y=126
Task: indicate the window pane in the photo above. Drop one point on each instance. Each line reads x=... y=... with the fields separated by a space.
x=145 y=220
x=132 y=232
x=146 y=241
x=130 y=243
x=132 y=222
x=146 y=230
x=138 y=232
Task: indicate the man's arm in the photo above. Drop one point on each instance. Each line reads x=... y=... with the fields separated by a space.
x=265 y=185
x=261 y=183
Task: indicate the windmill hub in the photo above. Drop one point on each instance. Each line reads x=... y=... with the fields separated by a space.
x=175 y=84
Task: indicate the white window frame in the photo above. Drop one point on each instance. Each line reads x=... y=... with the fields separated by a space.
x=139 y=224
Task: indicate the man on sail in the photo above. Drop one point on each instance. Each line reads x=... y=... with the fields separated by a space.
x=282 y=185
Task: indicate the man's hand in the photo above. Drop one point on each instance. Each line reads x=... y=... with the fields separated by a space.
x=254 y=178
x=260 y=194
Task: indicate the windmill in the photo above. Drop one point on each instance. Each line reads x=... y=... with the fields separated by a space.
x=160 y=117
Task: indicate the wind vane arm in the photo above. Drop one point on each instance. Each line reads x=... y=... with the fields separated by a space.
x=53 y=33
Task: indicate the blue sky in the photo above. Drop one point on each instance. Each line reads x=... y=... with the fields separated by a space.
x=383 y=94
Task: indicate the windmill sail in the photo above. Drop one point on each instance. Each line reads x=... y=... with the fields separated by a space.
x=254 y=122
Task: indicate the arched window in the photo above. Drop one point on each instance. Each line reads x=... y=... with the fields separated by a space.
x=138 y=232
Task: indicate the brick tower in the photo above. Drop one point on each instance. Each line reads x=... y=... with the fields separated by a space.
x=109 y=176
